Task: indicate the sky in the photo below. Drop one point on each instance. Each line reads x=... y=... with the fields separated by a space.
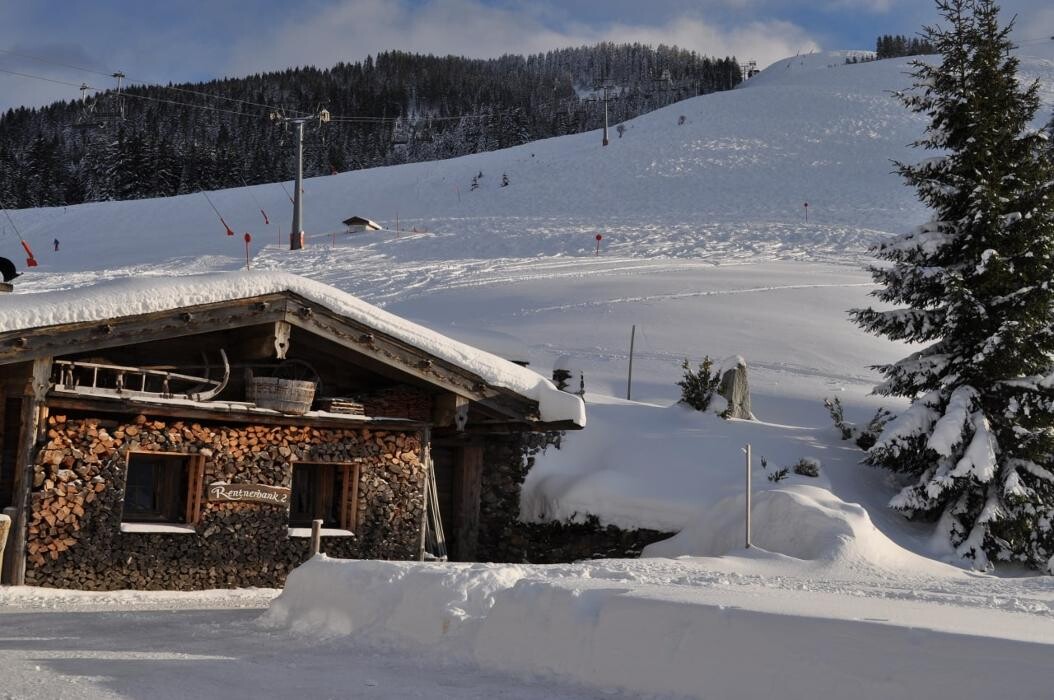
x=192 y=40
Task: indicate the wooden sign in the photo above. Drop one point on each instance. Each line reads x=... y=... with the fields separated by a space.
x=253 y=493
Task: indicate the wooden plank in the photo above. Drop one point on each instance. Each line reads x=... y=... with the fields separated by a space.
x=222 y=414
x=34 y=418
x=196 y=485
x=250 y=493
x=353 y=523
x=345 y=492
x=468 y=484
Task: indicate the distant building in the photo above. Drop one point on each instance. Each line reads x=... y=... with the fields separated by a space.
x=357 y=224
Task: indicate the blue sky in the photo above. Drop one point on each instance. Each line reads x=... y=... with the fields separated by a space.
x=199 y=39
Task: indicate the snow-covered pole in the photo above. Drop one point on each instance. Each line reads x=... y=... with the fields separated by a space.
x=296 y=235
x=747 y=451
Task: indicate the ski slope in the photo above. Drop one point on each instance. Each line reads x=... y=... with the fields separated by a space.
x=705 y=249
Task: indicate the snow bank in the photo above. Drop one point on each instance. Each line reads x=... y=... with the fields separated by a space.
x=133 y=296
x=390 y=601
x=607 y=625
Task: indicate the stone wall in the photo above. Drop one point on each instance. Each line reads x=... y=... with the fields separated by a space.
x=504 y=538
x=75 y=538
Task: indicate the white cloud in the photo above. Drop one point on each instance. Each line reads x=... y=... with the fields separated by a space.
x=352 y=29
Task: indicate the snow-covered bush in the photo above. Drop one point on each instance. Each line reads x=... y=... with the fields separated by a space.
x=699 y=386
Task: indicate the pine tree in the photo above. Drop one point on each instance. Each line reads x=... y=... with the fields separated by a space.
x=977 y=442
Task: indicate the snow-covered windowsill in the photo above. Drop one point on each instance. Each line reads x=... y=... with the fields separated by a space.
x=326 y=532
x=166 y=528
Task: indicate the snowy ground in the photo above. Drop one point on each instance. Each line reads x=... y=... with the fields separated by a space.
x=706 y=250
x=211 y=645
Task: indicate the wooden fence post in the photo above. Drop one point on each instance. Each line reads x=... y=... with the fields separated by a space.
x=316 y=537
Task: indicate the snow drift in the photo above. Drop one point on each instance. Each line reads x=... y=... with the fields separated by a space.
x=608 y=626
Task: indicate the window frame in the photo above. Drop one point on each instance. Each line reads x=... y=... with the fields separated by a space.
x=347 y=493
x=194 y=464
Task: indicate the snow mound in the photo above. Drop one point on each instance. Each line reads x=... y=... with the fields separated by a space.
x=146 y=295
x=669 y=628
x=804 y=522
x=390 y=601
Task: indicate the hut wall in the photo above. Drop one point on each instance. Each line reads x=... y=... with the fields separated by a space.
x=75 y=538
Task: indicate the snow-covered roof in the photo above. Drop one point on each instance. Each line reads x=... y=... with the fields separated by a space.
x=135 y=296
x=362 y=221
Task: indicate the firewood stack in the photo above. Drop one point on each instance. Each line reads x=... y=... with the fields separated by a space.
x=399 y=401
x=75 y=538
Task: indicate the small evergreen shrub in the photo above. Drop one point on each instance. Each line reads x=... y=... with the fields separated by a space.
x=779 y=475
x=807 y=466
x=865 y=438
x=699 y=386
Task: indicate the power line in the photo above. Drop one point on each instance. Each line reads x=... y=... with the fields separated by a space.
x=141 y=83
x=146 y=84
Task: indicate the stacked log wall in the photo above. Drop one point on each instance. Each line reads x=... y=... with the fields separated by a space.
x=75 y=538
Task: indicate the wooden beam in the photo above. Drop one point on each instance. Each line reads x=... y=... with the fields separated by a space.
x=468 y=486
x=34 y=419
x=22 y=345
x=445 y=409
x=223 y=413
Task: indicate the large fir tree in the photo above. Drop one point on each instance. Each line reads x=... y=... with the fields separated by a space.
x=975 y=286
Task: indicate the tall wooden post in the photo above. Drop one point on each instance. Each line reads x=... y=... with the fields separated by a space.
x=34 y=418
x=629 y=378
x=316 y=537
x=747 y=450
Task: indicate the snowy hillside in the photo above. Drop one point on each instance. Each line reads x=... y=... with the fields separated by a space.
x=705 y=249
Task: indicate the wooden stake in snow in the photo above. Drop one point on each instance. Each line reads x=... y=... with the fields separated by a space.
x=316 y=537
x=747 y=451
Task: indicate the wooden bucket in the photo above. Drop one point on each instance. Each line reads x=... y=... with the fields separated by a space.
x=292 y=396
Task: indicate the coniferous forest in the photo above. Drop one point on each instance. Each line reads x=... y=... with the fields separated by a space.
x=396 y=107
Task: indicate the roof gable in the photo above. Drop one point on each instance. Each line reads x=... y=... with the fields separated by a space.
x=133 y=310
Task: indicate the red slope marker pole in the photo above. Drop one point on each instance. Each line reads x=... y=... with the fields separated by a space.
x=248 y=239
x=31 y=261
x=806 y=212
x=599 y=238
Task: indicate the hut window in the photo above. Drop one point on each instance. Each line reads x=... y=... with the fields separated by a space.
x=326 y=492
x=162 y=488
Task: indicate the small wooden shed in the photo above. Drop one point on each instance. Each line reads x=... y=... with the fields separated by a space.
x=358 y=224
x=134 y=452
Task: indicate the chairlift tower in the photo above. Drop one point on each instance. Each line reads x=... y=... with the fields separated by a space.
x=296 y=233
x=606 y=86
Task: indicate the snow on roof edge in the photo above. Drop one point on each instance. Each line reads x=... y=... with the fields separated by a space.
x=135 y=296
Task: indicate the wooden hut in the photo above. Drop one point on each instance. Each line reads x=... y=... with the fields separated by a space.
x=358 y=224
x=182 y=433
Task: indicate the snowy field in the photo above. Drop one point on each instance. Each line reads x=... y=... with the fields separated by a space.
x=706 y=250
